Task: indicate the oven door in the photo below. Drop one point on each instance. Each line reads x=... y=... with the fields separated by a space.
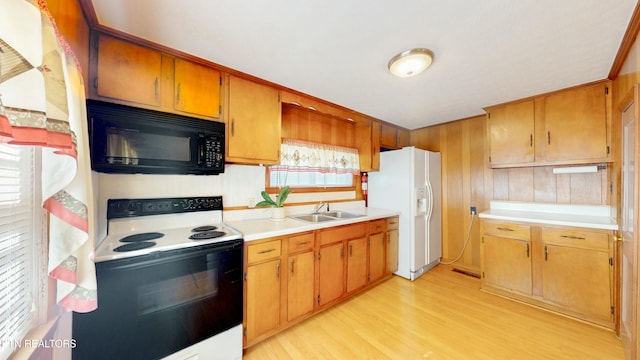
x=154 y=305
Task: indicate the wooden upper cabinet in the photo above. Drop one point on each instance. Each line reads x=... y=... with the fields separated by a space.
x=368 y=143
x=576 y=124
x=140 y=76
x=392 y=137
x=566 y=127
x=126 y=71
x=196 y=88
x=253 y=122
x=511 y=130
x=404 y=138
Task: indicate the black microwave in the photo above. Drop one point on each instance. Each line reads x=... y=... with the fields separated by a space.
x=130 y=140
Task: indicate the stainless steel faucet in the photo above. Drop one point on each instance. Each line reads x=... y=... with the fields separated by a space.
x=319 y=206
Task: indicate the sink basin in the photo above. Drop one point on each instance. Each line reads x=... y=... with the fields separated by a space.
x=313 y=218
x=326 y=216
x=342 y=214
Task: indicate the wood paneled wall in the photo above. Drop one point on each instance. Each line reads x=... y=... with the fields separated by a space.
x=468 y=181
x=464 y=175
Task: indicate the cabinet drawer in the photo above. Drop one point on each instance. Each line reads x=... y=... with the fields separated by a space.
x=301 y=242
x=342 y=233
x=507 y=230
x=377 y=226
x=263 y=251
x=575 y=238
x=393 y=223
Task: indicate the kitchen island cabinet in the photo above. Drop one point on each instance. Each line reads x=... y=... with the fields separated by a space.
x=253 y=122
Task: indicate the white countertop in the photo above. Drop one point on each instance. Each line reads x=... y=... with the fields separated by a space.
x=585 y=216
x=255 y=229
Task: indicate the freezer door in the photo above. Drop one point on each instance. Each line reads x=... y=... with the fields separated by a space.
x=420 y=197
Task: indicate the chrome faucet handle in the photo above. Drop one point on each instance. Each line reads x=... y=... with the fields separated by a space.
x=317 y=208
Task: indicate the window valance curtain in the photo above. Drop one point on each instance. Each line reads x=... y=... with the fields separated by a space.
x=304 y=156
x=42 y=103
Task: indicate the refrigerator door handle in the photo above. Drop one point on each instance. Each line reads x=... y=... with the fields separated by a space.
x=430 y=191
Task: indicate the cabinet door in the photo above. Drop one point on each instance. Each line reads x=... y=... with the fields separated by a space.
x=511 y=131
x=506 y=263
x=254 y=124
x=392 y=251
x=263 y=299
x=196 y=88
x=128 y=72
x=331 y=273
x=356 y=264
x=300 y=285
x=578 y=279
x=376 y=256
x=576 y=124
x=388 y=136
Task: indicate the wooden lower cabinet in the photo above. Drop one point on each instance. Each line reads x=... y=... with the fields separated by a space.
x=564 y=269
x=377 y=260
x=507 y=263
x=300 y=285
x=393 y=237
x=263 y=299
x=330 y=273
x=289 y=278
x=356 y=264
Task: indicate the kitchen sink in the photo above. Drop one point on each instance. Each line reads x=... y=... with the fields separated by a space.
x=342 y=214
x=313 y=218
x=326 y=216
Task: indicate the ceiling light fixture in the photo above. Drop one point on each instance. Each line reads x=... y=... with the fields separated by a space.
x=410 y=62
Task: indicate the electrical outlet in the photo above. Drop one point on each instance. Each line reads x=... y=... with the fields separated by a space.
x=473 y=210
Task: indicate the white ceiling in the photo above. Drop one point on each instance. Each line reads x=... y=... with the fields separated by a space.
x=486 y=51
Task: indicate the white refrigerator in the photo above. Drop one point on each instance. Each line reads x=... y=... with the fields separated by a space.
x=409 y=182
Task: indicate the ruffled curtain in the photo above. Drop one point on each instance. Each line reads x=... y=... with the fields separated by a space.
x=297 y=155
x=42 y=103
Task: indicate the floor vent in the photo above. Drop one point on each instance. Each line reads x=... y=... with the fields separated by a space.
x=466 y=272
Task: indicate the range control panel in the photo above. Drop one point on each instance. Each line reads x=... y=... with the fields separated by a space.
x=123 y=208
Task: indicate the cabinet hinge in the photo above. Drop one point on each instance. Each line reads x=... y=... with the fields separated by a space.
x=613 y=310
x=245 y=276
x=220 y=80
x=489 y=159
x=610 y=188
x=318 y=255
x=482 y=239
x=220 y=110
x=610 y=261
x=318 y=299
x=244 y=331
x=606 y=90
x=368 y=277
x=489 y=115
x=608 y=150
x=483 y=274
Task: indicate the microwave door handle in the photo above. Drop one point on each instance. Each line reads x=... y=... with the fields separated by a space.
x=201 y=149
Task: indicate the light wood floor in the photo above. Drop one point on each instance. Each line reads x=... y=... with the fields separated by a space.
x=442 y=315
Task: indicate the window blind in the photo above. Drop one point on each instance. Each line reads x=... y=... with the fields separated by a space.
x=17 y=245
